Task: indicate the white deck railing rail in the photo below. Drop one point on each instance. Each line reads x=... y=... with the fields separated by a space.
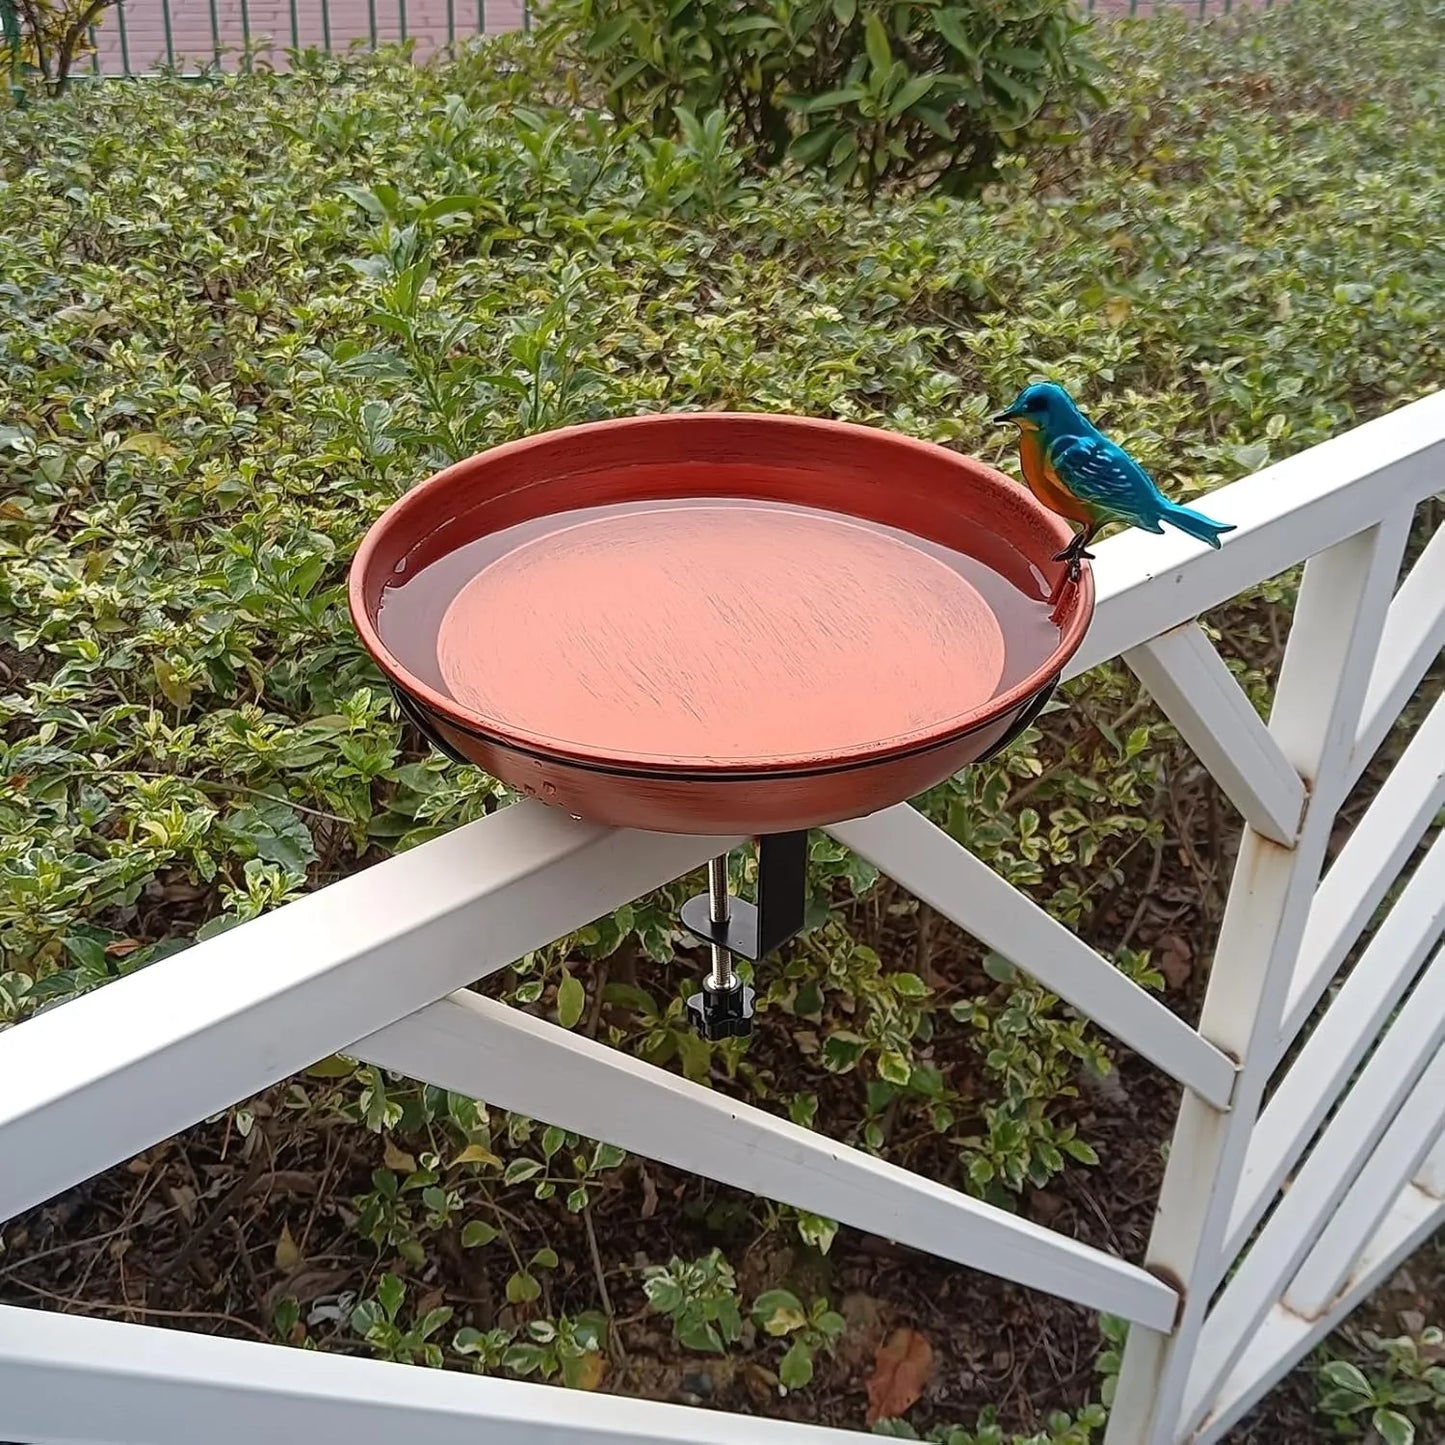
x=378 y=965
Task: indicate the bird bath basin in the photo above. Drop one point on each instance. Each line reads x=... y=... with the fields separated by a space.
x=720 y=624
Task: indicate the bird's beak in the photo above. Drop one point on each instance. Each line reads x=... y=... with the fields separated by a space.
x=1008 y=415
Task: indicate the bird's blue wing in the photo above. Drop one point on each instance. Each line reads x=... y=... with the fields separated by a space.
x=1103 y=474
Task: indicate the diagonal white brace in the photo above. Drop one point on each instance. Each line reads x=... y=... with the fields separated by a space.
x=946 y=876
x=1407 y=1064
x=481 y=1048
x=1338 y=1043
x=1199 y=695
x=96 y=1081
x=1413 y=636
x=1399 y=1154
x=1365 y=869
x=1285 y=1338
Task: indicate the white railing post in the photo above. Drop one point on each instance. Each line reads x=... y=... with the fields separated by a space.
x=1341 y=611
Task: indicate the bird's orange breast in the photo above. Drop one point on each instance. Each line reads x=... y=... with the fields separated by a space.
x=1044 y=482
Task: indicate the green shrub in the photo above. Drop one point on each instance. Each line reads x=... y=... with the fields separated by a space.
x=870 y=91
x=45 y=38
x=237 y=321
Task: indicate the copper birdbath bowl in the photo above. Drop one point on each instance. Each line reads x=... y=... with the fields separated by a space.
x=720 y=624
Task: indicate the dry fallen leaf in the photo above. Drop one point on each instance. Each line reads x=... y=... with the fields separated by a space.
x=900 y=1371
x=1174 y=958
x=590 y=1370
x=394 y=1158
x=288 y=1254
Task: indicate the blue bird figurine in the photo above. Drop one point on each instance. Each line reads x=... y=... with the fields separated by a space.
x=1076 y=471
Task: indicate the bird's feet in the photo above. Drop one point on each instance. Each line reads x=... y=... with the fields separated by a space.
x=1076 y=554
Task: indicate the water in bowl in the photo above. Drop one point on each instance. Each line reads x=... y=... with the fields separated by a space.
x=715 y=631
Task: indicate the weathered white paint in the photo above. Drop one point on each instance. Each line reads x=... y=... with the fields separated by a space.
x=1199 y=695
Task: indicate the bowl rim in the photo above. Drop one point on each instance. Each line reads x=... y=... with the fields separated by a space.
x=448 y=710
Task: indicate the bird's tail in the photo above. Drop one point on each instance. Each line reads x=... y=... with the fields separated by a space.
x=1196 y=524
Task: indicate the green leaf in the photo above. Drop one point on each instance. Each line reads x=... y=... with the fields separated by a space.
x=953 y=26
x=812 y=144
x=174 y=691
x=910 y=93
x=998 y=968
x=476 y=1233
x=663 y=1293
x=448 y=206
x=571 y=1000
x=522 y=1288
x=390 y=1292
x=1019 y=58
x=1393 y=1428
x=700 y=1335
x=828 y=100
x=875 y=38
x=796 y=1369
x=272 y=832
x=606 y=1156
x=894 y=1067
x=844 y=11
x=520 y=1170
x=779 y=1312
x=1342 y=1375
x=815 y=1230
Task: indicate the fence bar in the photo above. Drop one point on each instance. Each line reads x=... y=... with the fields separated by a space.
x=1366 y=869
x=401 y=20
x=1399 y=1154
x=94 y=50
x=215 y=34
x=941 y=872
x=170 y=39
x=1197 y=693
x=1414 y=635
x=326 y=25
x=85 y=1086
x=1286 y=1338
x=481 y=17
x=371 y=21
x=1341 y=611
x=483 y=1049
x=246 y=34
x=451 y=23
x=1395 y=1085
x=295 y=27
x=1343 y=1037
x=86 y=1380
x=124 y=42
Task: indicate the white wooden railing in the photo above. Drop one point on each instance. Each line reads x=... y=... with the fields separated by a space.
x=378 y=965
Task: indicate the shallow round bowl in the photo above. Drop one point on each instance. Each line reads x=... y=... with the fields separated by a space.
x=838 y=682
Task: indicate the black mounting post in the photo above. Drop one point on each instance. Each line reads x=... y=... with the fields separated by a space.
x=753 y=931
x=723 y=1009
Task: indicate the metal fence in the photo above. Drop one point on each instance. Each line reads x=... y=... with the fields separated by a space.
x=196 y=37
